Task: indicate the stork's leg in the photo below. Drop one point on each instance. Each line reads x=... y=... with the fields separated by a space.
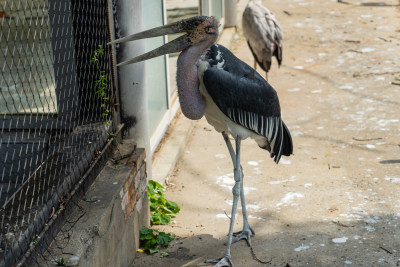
x=226 y=260
x=247 y=231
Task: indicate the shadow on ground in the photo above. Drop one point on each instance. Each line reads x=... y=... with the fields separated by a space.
x=330 y=243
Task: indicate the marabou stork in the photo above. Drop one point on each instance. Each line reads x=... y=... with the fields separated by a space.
x=230 y=94
x=263 y=34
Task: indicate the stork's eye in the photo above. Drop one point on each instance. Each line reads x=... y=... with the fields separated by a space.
x=209 y=30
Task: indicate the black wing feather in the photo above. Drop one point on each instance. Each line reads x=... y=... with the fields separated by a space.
x=247 y=99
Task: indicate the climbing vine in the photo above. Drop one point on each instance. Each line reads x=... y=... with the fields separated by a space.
x=100 y=89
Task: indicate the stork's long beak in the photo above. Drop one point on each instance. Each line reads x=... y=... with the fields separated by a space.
x=174 y=46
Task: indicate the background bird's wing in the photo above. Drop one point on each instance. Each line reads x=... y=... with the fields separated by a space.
x=277 y=35
x=259 y=36
x=263 y=34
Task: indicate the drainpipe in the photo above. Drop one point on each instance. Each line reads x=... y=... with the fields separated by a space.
x=230 y=13
x=132 y=87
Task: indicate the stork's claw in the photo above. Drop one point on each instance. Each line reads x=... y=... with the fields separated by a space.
x=245 y=234
x=221 y=262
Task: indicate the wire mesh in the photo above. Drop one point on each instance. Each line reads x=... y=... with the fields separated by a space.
x=56 y=107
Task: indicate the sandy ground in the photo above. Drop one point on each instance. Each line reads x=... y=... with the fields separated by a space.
x=336 y=201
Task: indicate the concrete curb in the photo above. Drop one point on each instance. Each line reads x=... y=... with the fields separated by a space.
x=171 y=148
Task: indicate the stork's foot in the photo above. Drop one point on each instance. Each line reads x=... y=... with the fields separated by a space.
x=245 y=234
x=221 y=262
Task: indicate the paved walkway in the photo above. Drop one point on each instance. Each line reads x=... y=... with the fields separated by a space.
x=336 y=201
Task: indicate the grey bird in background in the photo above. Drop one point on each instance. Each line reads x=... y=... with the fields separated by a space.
x=263 y=34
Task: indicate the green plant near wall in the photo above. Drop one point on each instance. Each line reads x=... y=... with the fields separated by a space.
x=161 y=210
x=100 y=88
x=154 y=240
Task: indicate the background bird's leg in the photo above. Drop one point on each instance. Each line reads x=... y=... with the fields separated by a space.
x=226 y=260
x=247 y=231
x=266 y=76
x=255 y=65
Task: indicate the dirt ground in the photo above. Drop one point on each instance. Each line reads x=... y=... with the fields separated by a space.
x=336 y=201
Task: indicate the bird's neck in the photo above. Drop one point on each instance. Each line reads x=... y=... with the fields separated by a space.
x=191 y=100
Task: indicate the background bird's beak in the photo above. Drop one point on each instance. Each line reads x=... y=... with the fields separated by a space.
x=174 y=46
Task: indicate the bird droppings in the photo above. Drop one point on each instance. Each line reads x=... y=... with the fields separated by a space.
x=339 y=240
x=393 y=179
x=308 y=184
x=301 y=248
x=248 y=189
x=367 y=50
x=288 y=199
x=371 y=220
x=346 y=87
x=370 y=146
x=220 y=156
x=369 y=228
x=366 y=16
x=221 y=216
x=316 y=91
x=296 y=133
x=298 y=67
x=383 y=123
x=285 y=161
x=291 y=179
x=254 y=217
x=226 y=180
x=275 y=182
x=252 y=163
x=348 y=262
x=294 y=90
x=253 y=207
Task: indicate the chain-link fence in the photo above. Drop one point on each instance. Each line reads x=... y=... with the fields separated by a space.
x=57 y=109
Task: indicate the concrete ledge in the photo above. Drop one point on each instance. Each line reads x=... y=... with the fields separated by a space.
x=103 y=228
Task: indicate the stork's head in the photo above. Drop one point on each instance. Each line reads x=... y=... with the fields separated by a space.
x=199 y=30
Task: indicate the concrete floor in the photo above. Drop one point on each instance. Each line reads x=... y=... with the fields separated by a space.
x=336 y=201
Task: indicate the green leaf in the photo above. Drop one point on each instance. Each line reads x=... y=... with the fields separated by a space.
x=161 y=209
x=152 y=251
x=145 y=231
x=173 y=206
x=150 y=188
x=163 y=239
x=165 y=219
x=155 y=220
x=164 y=254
